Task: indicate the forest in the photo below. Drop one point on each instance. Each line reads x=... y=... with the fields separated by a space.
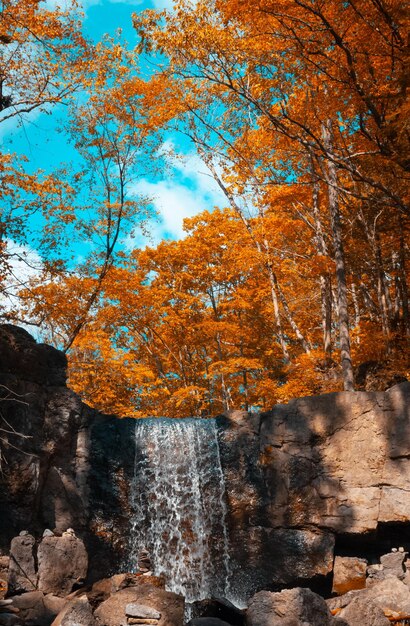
x=297 y=284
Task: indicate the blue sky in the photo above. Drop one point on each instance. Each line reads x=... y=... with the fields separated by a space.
x=186 y=187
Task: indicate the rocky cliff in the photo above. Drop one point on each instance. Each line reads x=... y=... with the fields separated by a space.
x=319 y=472
x=308 y=479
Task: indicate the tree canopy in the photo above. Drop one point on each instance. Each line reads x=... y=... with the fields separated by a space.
x=298 y=284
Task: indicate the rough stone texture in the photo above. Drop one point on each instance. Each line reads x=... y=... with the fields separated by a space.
x=22 y=571
x=362 y=612
x=4 y=575
x=297 y=476
x=33 y=610
x=393 y=564
x=170 y=605
x=290 y=607
x=76 y=464
x=76 y=613
x=62 y=563
x=140 y=610
x=390 y=594
x=348 y=573
x=333 y=464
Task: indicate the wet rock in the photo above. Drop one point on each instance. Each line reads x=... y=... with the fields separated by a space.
x=220 y=608
x=348 y=573
x=288 y=607
x=207 y=621
x=169 y=605
x=22 y=572
x=62 y=563
x=77 y=612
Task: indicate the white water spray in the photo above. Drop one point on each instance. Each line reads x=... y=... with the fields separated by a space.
x=178 y=499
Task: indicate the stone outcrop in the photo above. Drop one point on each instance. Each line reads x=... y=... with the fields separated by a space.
x=297 y=478
x=312 y=470
x=74 y=464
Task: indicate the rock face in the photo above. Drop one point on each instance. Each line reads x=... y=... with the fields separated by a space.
x=308 y=471
x=288 y=608
x=296 y=478
x=75 y=465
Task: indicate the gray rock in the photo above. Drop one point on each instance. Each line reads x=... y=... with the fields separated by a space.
x=48 y=533
x=393 y=564
x=62 y=563
x=32 y=609
x=288 y=608
x=9 y=619
x=140 y=610
x=23 y=533
x=22 y=572
x=362 y=612
x=391 y=594
x=348 y=573
x=77 y=612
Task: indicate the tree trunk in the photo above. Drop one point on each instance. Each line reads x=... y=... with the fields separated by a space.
x=325 y=280
x=343 y=317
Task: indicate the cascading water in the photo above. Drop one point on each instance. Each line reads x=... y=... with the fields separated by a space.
x=178 y=499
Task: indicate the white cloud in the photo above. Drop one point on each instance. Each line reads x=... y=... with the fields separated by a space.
x=24 y=264
x=188 y=191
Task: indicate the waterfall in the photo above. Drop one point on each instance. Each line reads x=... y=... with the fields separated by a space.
x=179 y=507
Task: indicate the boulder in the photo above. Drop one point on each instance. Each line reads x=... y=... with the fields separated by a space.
x=32 y=609
x=389 y=594
x=77 y=612
x=62 y=563
x=54 y=605
x=393 y=564
x=9 y=619
x=22 y=571
x=220 y=608
x=104 y=588
x=362 y=612
x=112 y=611
x=290 y=607
x=348 y=573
